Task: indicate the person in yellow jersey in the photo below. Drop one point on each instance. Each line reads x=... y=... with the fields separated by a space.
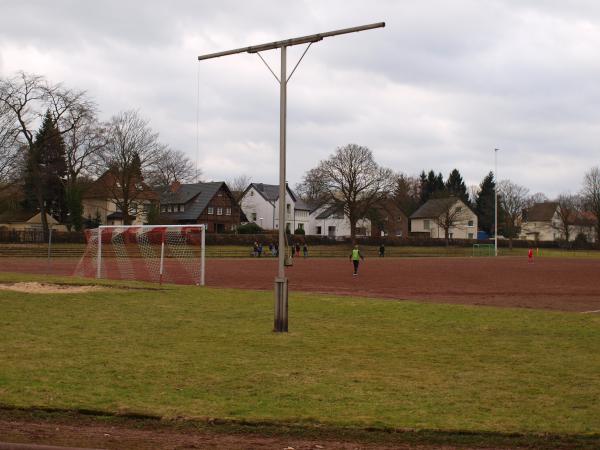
x=356 y=256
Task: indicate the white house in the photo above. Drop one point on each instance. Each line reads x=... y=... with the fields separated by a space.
x=542 y=222
x=330 y=220
x=260 y=204
x=436 y=214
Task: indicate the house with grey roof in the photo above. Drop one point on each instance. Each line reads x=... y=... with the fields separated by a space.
x=445 y=218
x=329 y=220
x=260 y=204
x=207 y=203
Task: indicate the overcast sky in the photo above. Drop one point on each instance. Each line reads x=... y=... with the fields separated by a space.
x=439 y=87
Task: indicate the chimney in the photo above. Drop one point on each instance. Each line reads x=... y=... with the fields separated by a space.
x=175 y=186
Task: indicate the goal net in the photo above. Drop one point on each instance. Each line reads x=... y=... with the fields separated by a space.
x=484 y=250
x=158 y=253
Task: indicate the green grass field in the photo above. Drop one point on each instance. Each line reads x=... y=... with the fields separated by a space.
x=347 y=362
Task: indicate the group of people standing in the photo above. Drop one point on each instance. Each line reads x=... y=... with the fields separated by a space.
x=273 y=249
x=258 y=249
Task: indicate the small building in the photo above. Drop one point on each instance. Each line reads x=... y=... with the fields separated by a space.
x=101 y=205
x=211 y=204
x=437 y=214
x=329 y=220
x=387 y=219
x=27 y=221
x=542 y=222
x=260 y=204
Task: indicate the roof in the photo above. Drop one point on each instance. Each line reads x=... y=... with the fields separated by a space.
x=301 y=204
x=26 y=217
x=103 y=188
x=270 y=191
x=541 y=212
x=331 y=210
x=195 y=197
x=435 y=207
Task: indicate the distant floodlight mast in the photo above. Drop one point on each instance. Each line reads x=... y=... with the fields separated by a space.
x=496 y=150
x=281 y=282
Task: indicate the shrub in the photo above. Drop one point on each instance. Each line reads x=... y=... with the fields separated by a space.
x=249 y=228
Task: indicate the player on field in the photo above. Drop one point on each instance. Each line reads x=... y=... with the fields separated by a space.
x=356 y=256
x=530 y=255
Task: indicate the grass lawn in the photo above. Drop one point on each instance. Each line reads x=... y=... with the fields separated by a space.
x=347 y=362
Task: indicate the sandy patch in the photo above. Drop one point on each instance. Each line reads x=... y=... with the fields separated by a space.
x=34 y=287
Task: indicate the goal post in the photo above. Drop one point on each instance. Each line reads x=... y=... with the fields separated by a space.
x=483 y=250
x=157 y=253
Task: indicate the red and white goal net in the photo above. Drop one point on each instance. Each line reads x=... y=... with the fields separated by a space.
x=158 y=253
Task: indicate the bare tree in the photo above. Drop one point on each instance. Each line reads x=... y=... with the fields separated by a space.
x=26 y=98
x=313 y=188
x=238 y=185
x=538 y=197
x=591 y=196
x=567 y=210
x=171 y=166
x=85 y=140
x=9 y=147
x=513 y=199
x=351 y=176
x=132 y=148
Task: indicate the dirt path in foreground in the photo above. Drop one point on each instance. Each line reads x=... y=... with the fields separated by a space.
x=106 y=436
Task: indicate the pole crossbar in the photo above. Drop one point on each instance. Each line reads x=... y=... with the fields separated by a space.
x=289 y=42
x=281 y=282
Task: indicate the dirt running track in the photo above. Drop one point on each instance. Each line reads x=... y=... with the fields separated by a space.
x=559 y=284
x=549 y=283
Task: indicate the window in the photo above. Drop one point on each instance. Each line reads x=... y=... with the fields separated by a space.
x=458 y=208
x=253 y=218
x=163 y=208
x=470 y=236
x=288 y=208
x=301 y=226
x=251 y=193
x=170 y=208
x=219 y=211
x=470 y=224
x=318 y=230
x=210 y=210
x=427 y=224
x=227 y=211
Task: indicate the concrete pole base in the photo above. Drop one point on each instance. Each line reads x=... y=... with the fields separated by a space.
x=281 y=305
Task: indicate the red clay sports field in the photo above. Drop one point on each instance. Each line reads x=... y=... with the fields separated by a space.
x=550 y=283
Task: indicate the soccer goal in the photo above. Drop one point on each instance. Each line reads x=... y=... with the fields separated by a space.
x=158 y=253
x=483 y=250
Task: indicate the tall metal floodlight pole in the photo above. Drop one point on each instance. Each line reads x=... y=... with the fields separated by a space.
x=281 y=284
x=496 y=201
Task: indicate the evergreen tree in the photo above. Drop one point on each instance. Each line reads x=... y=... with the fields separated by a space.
x=423 y=190
x=432 y=186
x=484 y=205
x=457 y=187
x=74 y=205
x=45 y=172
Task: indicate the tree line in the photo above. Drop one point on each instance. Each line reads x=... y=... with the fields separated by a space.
x=352 y=178
x=53 y=145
